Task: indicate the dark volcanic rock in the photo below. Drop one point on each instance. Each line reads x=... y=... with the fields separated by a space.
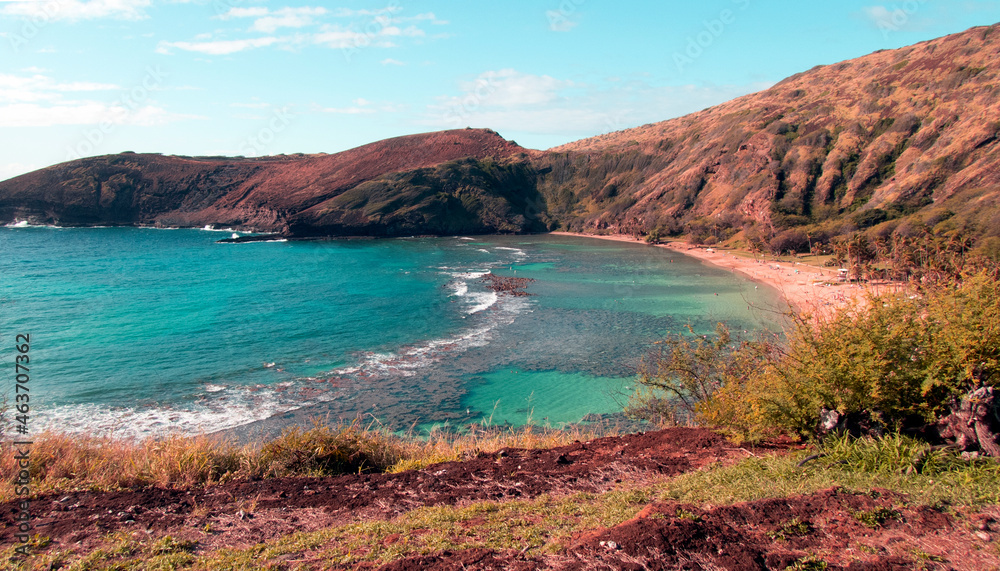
x=273 y=193
x=508 y=285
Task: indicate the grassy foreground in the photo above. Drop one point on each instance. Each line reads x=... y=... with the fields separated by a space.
x=63 y=462
x=540 y=525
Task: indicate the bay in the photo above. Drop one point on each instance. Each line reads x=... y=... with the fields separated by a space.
x=139 y=332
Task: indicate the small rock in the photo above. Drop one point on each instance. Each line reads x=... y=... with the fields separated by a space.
x=984 y=536
x=609 y=545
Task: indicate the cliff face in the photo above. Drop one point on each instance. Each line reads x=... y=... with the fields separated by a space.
x=893 y=142
x=860 y=143
x=273 y=193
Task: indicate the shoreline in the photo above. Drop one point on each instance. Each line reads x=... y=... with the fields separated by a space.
x=807 y=289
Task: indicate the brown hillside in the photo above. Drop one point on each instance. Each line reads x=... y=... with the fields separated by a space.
x=894 y=143
x=260 y=193
x=896 y=131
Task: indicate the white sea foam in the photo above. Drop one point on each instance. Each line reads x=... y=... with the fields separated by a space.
x=408 y=360
x=478 y=301
x=483 y=301
x=26 y=224
x=459 y=288
x=213 y=414
x=224 y=407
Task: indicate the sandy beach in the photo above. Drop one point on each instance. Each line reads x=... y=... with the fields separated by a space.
x=808 y=289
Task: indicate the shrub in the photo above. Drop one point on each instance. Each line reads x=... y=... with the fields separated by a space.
x=902 y=359
x=686 y=379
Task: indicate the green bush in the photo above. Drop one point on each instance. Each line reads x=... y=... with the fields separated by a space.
x=902 y=358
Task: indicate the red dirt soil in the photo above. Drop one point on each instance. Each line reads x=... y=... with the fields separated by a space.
x=748 y=536
x=280 y=505
x=662 y=536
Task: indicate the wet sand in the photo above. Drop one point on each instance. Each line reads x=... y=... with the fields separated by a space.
x=808 y=289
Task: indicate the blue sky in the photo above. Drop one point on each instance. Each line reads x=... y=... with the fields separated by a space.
x=261 y=77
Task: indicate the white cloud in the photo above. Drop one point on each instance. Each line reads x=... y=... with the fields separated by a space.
x=37 y=87
x=560 y=22
x=511 y=101
x=45 y=10
x=341 y=38
x=381 y=28
x=409 y=31
x=83 y=113
x=510 y=89
x=256 y=12
x=291 y=18
x=40 y=101
x=429 y=16
x=390 y=61
x=348 y=13
x=894 y=18
x=218 y=47
x=268 y=21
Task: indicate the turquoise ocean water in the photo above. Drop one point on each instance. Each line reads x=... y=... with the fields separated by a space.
x=146 y=331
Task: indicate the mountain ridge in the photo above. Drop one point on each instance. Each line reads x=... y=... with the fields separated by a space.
x=896 y=142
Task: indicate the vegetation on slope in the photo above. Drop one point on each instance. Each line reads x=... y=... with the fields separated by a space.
x=463 y=196
x=901 y=360
x=894 y=144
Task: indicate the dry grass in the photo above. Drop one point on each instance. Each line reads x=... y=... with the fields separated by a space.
x=64 y=462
